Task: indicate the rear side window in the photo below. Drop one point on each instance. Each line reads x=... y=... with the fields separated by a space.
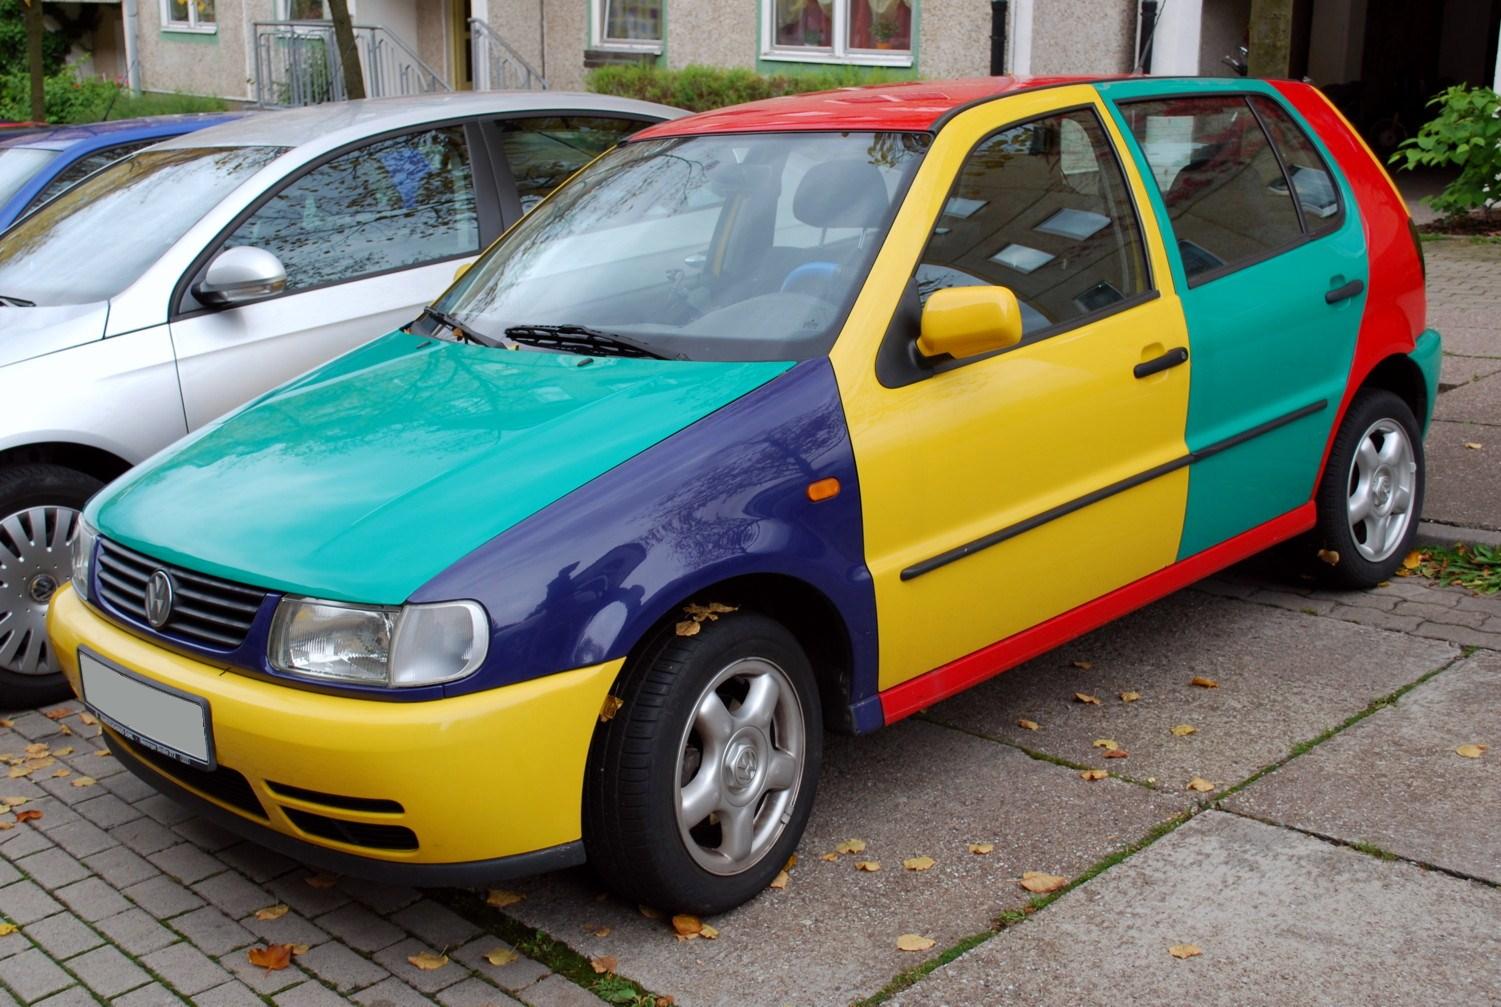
x=544 y=150
x=1221 y=180
x=1318 y=199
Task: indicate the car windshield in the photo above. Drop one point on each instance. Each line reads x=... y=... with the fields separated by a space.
x=95 y=239
x=727 y=247
x=19 y=165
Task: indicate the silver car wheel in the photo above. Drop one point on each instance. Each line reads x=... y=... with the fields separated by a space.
x=740 y=764
x=34 y=563
x=1383 y=476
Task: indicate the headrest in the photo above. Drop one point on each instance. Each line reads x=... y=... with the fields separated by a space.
x=845 y=193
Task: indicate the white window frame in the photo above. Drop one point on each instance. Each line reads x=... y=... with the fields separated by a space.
x=192 y=24
x=597 y=39
x=284 y=11
x=839 y=52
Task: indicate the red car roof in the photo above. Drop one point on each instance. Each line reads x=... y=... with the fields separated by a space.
x=910 y=106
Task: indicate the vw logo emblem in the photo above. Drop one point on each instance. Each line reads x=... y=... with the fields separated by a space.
x=159 y=599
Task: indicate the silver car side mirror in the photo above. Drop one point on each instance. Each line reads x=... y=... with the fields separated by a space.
x=241 y=275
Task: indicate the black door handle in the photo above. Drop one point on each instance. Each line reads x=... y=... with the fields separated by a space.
x=1349 y=290
x=1172 y=358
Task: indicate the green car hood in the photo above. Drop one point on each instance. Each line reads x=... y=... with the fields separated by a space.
x=365 y=478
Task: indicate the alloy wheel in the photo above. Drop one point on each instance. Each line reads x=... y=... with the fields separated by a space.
x=1382 y=478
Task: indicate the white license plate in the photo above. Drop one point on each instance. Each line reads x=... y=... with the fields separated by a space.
x=152 y=715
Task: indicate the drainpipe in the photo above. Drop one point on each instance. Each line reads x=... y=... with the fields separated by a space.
x=131 y=16
x=1000 y=14
x=1146 y=27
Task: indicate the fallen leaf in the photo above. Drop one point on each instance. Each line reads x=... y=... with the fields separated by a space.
x=428 y=961
x=7 y=826
x=63 y=729
x=84 y=781
x=37 y=748
x=611 y=706
x=780 y=881
x=851 y=846
x=685 y=924
x=272 y=957
x=604 y=964
x=104 y=753
x=649 y=912
x=1084 y=697
x=1413 y=560
x=1108 y=744
x=275 y=912
x=7 y=723
x=1092 y=774
x=1328 y=556
x=500 y=898
x=68 y=750
x=688 y=627
x=1040 y=883
x=1184 y=730
x=87 y=719
x=981 y=849
x=1130 y=697
x=1116 y=753
x=300 y=949
x=1471 y=751
x=914 y=942
x=918 y=863
x=597 y=930
x=1474 y=445
x=868 y=866
x=1200 y=784
x=708 y=933
x=1083 y=665
x=12 y=802
x=1027 y=725
x=60 y=772
x=1185 y=951
x=6 y=929
x=501 y=956
x=791 y=863
x=17 y=772
x=321 y=880
x=1203 y=682
x=830 y=857
x=58 y=713
x=29 y=815
x=663 y=1000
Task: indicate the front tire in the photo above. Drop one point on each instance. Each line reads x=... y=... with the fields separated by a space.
x=1371 y=493
x=700 y=786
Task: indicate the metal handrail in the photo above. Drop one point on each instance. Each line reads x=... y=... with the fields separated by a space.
x=497 y=65
x=297 y=63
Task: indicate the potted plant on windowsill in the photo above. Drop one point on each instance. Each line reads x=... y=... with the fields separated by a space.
x=883 y=30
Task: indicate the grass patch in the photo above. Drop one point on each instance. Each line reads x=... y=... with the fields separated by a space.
x=131 y=106
x=1372 y=850
x=1476 y=568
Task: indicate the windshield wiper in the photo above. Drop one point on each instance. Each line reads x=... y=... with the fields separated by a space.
x=459 y=330
x=581 y=339
x=16 y=302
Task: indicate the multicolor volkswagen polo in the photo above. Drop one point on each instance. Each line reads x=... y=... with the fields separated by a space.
x=792 y=417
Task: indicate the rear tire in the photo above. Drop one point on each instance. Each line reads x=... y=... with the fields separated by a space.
x=699 y=788
x=39 y=514
x=1371 y=494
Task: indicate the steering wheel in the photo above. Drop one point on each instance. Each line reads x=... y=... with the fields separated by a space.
x=810 y=278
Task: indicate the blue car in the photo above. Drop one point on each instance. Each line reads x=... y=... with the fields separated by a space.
x=36 y=166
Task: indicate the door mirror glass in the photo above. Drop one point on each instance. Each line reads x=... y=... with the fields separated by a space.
x=241 y=275
x=968 y=321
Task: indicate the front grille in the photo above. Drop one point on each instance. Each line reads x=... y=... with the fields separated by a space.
x=375 y=837
x=207 y=611
x=222 y=784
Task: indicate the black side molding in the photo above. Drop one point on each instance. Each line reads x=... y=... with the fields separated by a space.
x=1349 y=290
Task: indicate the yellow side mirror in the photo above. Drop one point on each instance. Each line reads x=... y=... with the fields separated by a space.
x=969 y=321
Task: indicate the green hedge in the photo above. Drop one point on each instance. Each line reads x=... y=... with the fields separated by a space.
x=74 y=100
x=700 y=88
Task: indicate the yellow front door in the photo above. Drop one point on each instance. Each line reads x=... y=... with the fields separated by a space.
x=1005 y=490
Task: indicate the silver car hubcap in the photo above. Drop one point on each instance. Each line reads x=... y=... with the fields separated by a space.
x=34 y=563
x=740 y=765
x=1383 y=477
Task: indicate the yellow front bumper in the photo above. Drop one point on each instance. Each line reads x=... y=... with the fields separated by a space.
x=478 y=778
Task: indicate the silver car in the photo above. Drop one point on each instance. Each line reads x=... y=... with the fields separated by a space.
x=176 y=284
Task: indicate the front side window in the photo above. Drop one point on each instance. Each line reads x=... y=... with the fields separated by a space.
x=840 y=31
x=188 y=15
x=1041 y=208
x=543 y=151
x=627 y=24
x=397 y=203
x=95 y=239
x=724 y=247
x=1220 y=180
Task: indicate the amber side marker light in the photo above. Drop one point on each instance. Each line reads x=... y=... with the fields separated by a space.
x=824 y=489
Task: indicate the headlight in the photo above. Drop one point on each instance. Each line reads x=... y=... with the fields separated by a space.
x=398 y=647
x=82 y=551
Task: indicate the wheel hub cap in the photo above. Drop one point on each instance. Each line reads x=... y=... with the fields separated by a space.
x=34 y=563
x=42 y=587
x=742 y=765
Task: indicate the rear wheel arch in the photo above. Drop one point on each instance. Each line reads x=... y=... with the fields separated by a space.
x=1401 y=376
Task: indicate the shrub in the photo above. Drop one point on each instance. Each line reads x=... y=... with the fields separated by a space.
x=13 y=42
x=1466 y=133
x=700 y=88
x=68 y=99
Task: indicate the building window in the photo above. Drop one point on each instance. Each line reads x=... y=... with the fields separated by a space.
x=877 y=32
x=188 y=15
x=303 y=10
x=632 y=25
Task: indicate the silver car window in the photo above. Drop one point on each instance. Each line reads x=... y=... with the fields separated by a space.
x=97 y=238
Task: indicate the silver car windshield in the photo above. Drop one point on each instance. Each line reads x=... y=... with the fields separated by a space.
x=98 y=237
x=722 y=247
x=19 y=165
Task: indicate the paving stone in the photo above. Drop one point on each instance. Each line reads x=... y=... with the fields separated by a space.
x=61 y=788
x=206 y=835
x=360 y=928
x=73 y=996
x=256 y=862
x=294 y=890
x=19 y=842
x=293 y=928
x=233 y=894
x=391 y=993
x=231 y=994
x=1281 y=918
x=1376 y=618
x=34 y=727
x=136 y=931
x=1283 y=678
x=8 y=873
x=120 y=867
x=163 y=809
x=383 y=899
x=262 y=981
x=13 y=944
x=53 y=868
x=1461 y=635
x=1450 y=615
x=63 y=936
x=394 y=958
x=146 y=836
x=513 y=976
x=107 y=811
x=162 y=897
x=24 y=902
x=1477 y=401
x=1463 y=484
x=187 y=863
x=211 y=931
x=107 y=972
x=309 y=994
x=189 y=970
x=92 y=899
x=31 y=975
x=478 y=993
x=912 y=789
x=555 y=991
x=438 y=925
x=81 y=838
x=1394 y=780
x=129 y=788
x=336 y=964
x=154 y=995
